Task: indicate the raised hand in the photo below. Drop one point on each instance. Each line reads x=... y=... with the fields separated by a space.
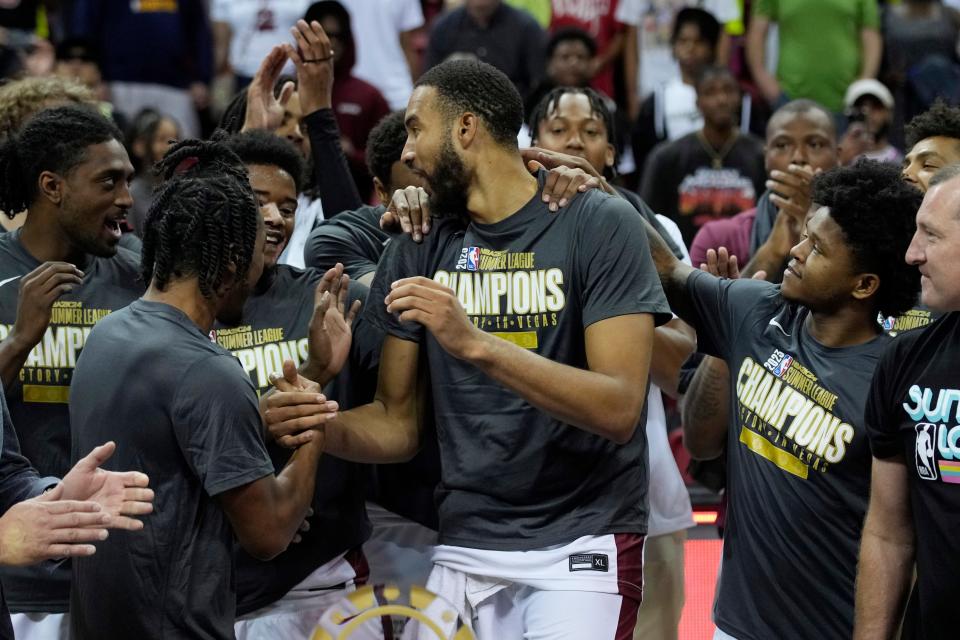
x=120 y=494
x=264 y=109
x=792 y=192
x=39 y=289
x=567 y=175
x=296 y=412
x=313 y=57
x=723 y=264
x=330 y=333
x=48 y=527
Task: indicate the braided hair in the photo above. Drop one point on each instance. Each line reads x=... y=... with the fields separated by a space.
x=203 y=218
x=54 y=140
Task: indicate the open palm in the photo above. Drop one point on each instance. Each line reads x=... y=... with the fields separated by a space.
x=120 y=494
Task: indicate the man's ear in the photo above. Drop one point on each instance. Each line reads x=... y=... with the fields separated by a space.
x=50 y=186
x=866 y=286
x=381 y=191
x=467 y=129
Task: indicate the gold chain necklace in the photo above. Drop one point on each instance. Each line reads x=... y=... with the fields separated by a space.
x=716 y=157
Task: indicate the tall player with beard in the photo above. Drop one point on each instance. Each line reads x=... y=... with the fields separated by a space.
x=198 y=430
x=522 y=316
x=59 y=274
x=282 y=319
x=801 y=357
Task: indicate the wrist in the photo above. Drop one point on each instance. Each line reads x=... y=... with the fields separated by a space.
x=21 y=345
x=477 y=349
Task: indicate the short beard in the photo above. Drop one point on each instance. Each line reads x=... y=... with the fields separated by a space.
x=449 y=184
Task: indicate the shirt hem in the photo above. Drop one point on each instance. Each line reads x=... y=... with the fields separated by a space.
x=533 y=544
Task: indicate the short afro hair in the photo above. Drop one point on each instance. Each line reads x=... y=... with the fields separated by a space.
x=571 y=34
x=939 y=120
x=54 y=139
x=480 y=88
x=385 y=145
x=22 y=98
x=704 y=21
x=259 y=146
x=876 y=210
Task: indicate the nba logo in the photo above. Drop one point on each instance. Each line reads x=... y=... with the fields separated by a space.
x=926 y=437
x=473 y=258
x=783 y=366
x=889 y=323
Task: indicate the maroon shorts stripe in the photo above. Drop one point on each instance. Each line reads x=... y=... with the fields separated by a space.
x=629 y=581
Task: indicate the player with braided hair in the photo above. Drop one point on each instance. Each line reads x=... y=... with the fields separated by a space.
x=185 y=409
x=59 y=274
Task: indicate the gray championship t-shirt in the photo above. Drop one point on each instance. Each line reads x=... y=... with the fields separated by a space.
x=798 y=466
x=276 y=325
x=353 y=238
x=513 y=477
x=182 y=410
x=38 y=398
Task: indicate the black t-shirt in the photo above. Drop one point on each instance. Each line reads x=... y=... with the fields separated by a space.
x=38 y=398
x=353 y=238
x=798 y=468
x=680 y=182
x=513 y=477
x=914 y=412
x=275 y=328
x=182 y=410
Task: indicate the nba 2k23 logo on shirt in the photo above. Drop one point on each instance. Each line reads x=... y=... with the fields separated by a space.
x=937 y=453
x=260 y=351
x=505 y=294
x=786 y=416
x=47 y=372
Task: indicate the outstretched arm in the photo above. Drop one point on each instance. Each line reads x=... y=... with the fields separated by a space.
x=673 y=274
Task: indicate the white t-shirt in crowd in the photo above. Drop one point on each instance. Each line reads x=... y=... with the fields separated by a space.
x=377 y=25
x=670 y=508
x=256 y=26
x=654 y=22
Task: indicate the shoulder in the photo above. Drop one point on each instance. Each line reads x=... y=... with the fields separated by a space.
x=296 y=277
x=127 y=260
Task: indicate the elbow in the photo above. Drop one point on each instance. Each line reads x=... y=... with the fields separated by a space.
x=699 y=445
x=265 y=547
x=621 y=425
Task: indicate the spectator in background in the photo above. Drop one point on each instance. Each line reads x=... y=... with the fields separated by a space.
x=150 y=135
x=244 y=31
x=714 y=172
x=648 y=50
x=79 y=61
x=596 y=17
x=358 y=104
x=539 y=9
x=801 y=141
x=157 y=55
x=671 y=112
x=387 y=58
x=569 y=52
x=934 y=139
x=869 y=109
x=824 y=45
x=495 y=33
x=919 y=41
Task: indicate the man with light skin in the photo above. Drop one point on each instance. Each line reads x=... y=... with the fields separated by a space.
x=914 y=499
x=933 y=138
x=537 y=407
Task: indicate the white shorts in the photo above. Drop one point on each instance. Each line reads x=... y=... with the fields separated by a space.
x=296 y=614
x=40 y=626
x=589 y=589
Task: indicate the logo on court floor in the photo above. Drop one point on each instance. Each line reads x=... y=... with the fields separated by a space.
x=589 y=562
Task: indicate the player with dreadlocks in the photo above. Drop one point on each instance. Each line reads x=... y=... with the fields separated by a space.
x=59 y=274
x=186 y=411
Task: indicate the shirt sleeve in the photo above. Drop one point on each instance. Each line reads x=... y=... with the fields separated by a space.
x=411 y=16
x=399 y=260
x=882 y=415
x=617 y=273
x=628 y=12
x=329 y=244
x=217 y=424
x=766 y=9
x=331 y=172
x=18 y=479
x=869 y=14
x=722 y=307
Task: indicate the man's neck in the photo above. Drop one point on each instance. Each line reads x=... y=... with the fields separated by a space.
x=718 y=137
x=45 y=240
x=844 y=327
x=185 y=295
x=501 y=187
